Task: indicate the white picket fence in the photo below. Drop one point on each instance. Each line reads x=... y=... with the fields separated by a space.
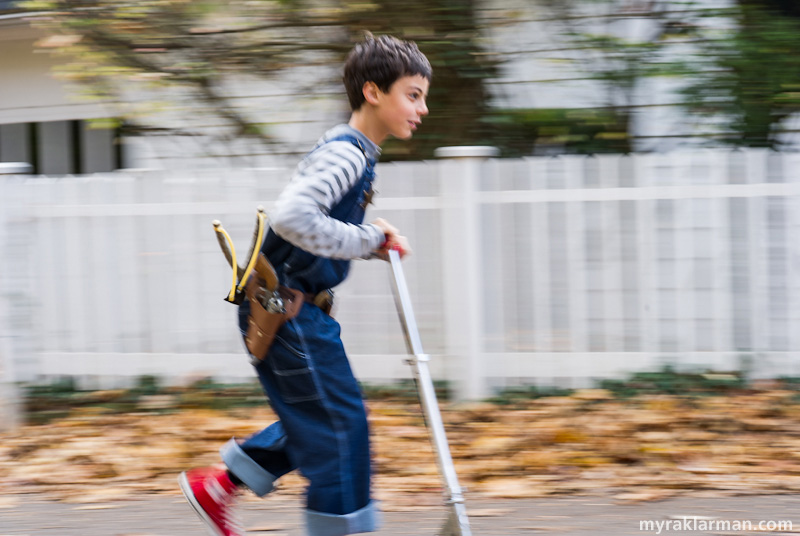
x=556 y=271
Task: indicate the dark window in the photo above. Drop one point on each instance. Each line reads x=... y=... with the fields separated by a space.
x=61 y=147
x=9 y=5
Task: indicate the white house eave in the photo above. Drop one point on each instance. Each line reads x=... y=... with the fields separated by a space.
x=20 y=17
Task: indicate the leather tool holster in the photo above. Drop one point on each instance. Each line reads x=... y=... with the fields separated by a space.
x=263 y=324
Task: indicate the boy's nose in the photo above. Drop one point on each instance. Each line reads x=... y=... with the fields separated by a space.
x=423 y=109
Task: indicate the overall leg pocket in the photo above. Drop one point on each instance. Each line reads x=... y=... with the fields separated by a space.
x=292 y=369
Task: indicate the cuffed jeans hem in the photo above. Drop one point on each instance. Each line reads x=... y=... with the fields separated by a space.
x=367 y=519
x=255 y=477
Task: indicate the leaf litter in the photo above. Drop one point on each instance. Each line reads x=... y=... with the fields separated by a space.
x=641 y=448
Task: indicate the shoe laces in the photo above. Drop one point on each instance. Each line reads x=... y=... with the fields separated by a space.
x=232 y=522
x=231 y=518
x=225 y=499
x=217 y=491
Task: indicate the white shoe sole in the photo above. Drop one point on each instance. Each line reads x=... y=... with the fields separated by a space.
x=183 y=482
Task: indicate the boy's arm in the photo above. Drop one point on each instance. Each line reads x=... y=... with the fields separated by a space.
x=301 y=213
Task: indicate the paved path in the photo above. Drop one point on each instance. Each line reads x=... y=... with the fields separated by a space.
x=170 y=516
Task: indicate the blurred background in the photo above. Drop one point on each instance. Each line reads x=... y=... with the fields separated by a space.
x=637 y=214
x=603 y=205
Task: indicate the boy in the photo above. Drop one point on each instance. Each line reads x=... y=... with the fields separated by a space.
x=315 y=230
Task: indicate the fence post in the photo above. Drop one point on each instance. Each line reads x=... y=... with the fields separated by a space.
x=462 y=269
x=9 y=398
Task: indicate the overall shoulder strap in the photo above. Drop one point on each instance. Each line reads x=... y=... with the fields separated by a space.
x=355 y=141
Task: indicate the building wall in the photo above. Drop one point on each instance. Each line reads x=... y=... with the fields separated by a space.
x=34 y=103
x=41 y=121
x=28 y=90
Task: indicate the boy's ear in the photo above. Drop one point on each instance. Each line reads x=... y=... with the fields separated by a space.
x=371 y=92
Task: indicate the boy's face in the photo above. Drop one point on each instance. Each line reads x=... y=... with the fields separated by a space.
x=402 y=108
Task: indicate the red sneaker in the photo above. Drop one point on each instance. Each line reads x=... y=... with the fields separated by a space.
x=211 y=493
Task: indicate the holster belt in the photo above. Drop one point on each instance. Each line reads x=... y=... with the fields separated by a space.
x=323 y=300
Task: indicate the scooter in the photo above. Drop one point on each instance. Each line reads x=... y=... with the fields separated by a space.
x=457 y=522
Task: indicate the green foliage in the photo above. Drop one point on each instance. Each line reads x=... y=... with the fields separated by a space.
x=739 y=64
x=403 y=390
x=522 y=132
x=593 y=39
x=59 y=399
x=751 y=79
x=668 y=381
x=519 y=395
x=207 y=394
x=47 y=402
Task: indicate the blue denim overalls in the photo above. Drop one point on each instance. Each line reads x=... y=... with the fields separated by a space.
x=323 y=428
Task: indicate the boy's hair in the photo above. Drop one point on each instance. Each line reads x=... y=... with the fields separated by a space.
x=381 y=60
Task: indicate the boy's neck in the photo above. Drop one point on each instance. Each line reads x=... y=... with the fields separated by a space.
x=361 y=121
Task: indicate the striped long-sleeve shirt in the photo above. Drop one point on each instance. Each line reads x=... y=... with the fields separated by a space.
x=301 y=213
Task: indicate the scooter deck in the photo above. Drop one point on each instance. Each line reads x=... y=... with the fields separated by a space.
x=457 y=522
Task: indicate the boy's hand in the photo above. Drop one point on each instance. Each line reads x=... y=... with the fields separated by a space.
x=394 y=240
x=387 y=228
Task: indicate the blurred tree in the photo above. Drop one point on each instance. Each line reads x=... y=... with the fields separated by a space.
x=526 y=131
x=619 y=44
x=789 y=8
x=174 y=66
x=168 y=63
x=751 y=76
x=448 y=31
x=168 y=66
x=738 y=63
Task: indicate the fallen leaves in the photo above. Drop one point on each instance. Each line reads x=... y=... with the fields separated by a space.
x=638 y=449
